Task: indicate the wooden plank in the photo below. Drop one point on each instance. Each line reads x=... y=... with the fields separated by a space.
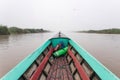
x=78 y=66
x=38 y=71
x=50 y=73
x=60 y=71
x=69 y=74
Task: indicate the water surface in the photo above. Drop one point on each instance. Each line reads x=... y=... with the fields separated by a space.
x=104 y=47
x=14 y=48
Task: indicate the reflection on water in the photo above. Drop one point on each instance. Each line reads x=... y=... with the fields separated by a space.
x=105 y=47
x=4 y=41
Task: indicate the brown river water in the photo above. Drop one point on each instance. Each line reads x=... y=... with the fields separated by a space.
x=104 y=47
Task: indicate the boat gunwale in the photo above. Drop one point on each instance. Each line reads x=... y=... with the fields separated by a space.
x=59 y=38
x=17 y=71
x=99 y=68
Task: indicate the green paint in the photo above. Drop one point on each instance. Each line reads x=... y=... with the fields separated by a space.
x=99 y=68
x=60 y=52
x=18 y=70
x=56 y=41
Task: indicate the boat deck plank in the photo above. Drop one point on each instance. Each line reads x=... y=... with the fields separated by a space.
x=60 y=70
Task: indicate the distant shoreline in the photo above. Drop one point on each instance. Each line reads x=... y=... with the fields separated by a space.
x=4 y=30
x=104 y=31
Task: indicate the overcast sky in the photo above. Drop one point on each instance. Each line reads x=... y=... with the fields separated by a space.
x=61 y=14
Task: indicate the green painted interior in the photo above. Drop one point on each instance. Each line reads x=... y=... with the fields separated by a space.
x=56 y=41
x=99 y=68
x=18 y=70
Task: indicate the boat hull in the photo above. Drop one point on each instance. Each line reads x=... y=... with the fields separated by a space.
x=80 y=65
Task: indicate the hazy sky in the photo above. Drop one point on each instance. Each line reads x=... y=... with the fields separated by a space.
x=61 y=14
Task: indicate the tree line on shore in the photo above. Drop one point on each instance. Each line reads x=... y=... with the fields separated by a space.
x=104 y=31
x=4 y=30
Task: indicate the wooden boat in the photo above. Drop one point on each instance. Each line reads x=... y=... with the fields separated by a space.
x=76 y=64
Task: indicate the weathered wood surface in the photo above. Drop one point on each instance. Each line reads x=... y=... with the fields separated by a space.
x=60 y=70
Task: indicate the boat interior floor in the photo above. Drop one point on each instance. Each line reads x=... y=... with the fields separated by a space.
x=60 y=70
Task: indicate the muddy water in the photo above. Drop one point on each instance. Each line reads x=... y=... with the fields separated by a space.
x=14 y=48
x=104 y=47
